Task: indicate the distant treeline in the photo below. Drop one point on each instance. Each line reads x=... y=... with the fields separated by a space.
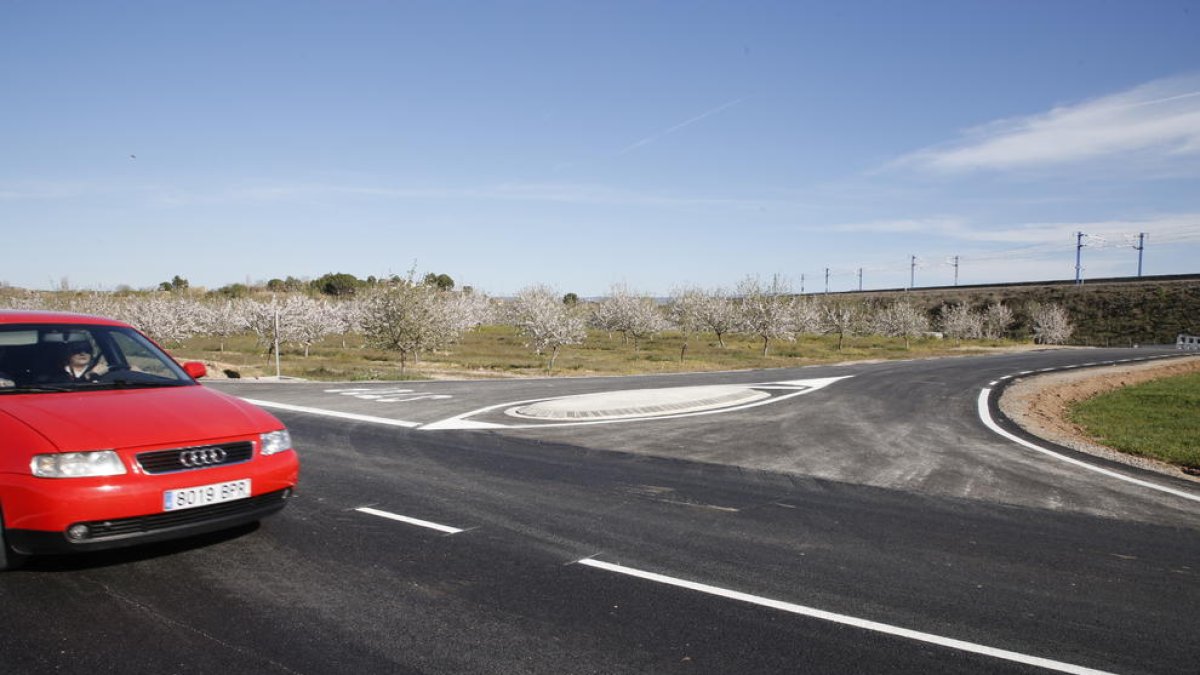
x=1107 y=312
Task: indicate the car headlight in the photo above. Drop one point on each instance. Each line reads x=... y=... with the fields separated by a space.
x=77 y=464
x=276 y=441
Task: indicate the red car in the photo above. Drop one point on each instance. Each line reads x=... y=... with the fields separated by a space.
x=106 y=441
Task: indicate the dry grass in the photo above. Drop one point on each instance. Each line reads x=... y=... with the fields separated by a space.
x=498 y=351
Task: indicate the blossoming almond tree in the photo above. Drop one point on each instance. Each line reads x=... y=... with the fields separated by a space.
x=547 y=322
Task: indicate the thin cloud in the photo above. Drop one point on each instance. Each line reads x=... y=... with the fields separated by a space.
x=1160 y=118
x=561 y=193
x=1175 y=228
x=679 y=127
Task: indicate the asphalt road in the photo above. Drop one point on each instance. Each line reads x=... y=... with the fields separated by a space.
x=873 y=523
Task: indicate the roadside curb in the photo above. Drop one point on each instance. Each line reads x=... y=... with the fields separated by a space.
x=1161 y=480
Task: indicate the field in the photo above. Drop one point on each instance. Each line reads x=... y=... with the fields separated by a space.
x=1158 y=419
x=498 y=351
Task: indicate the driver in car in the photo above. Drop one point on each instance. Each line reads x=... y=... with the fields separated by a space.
x=80 y=366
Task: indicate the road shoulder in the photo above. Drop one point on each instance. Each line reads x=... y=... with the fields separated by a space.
x=1039 y=405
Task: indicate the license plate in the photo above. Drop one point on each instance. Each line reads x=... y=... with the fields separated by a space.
x=203 y=495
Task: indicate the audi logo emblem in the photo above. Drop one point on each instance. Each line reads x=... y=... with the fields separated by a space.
x=193 y=459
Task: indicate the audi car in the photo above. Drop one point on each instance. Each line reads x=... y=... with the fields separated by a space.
x=106 y=441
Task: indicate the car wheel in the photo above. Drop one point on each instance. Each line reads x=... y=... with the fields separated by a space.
x=9 y=559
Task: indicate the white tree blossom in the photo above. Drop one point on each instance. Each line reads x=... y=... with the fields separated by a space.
x=685 y=311
x=997 y=319
x=307 y=321
x=546 y=321
x=808 y=317
x=719 y=314
x=408 y=318
x=224 y=319
x=279 y=322
x=1051 y=324
x=767 y=311
x=167 y=318
x=467 y=310
x=347 y=317
x=843 y=317
x=901 y=319
x=635 y=316
x=961 y=322
x=23 y=300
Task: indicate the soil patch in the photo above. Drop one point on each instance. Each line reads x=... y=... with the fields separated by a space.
x=1040 y=404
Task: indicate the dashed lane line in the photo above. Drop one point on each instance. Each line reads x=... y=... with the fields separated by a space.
x=410 y=521
x=811 y=612
x=843 y=619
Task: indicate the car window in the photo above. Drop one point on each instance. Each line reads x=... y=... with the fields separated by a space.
x=141 y=356
x=49 y=359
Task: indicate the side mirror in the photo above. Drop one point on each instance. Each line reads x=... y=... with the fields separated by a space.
x=195 y=369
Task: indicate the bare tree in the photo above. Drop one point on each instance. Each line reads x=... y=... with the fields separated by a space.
x=549 y=324
x=767 y=311
x=1051 y=324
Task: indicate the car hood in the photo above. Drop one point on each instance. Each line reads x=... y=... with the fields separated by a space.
x=120 y=419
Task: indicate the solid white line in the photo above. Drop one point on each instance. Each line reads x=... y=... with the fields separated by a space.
x=843 y=619
x=986 y=416
x=411 y=521
x=333 y=413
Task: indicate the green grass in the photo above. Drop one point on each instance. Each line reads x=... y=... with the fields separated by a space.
x=499 y=351
x=1158 y=419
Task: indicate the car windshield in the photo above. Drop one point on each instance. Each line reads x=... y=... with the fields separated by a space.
x=37 y=358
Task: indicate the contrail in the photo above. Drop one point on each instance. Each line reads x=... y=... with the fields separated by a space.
x=682 y=125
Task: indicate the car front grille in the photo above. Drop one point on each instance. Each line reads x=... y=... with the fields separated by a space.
x=188 y=459
x=164 y=521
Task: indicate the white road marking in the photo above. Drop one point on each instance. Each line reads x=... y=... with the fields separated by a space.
x=418 y=397
x=332 y=413
x=864 y=624
x=387 y=395
x=798 y=387
x=411 y=521
x=985 y=415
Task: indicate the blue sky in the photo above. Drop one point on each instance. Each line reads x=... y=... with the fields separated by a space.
x=653 y=144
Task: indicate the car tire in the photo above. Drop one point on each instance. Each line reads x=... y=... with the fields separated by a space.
x=9 y=559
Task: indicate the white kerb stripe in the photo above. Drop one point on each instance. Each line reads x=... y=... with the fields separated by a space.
x=986 y=415
x=949 y=643
x=411 y=521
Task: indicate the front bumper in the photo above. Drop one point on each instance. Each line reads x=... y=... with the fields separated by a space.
x=106 y=534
